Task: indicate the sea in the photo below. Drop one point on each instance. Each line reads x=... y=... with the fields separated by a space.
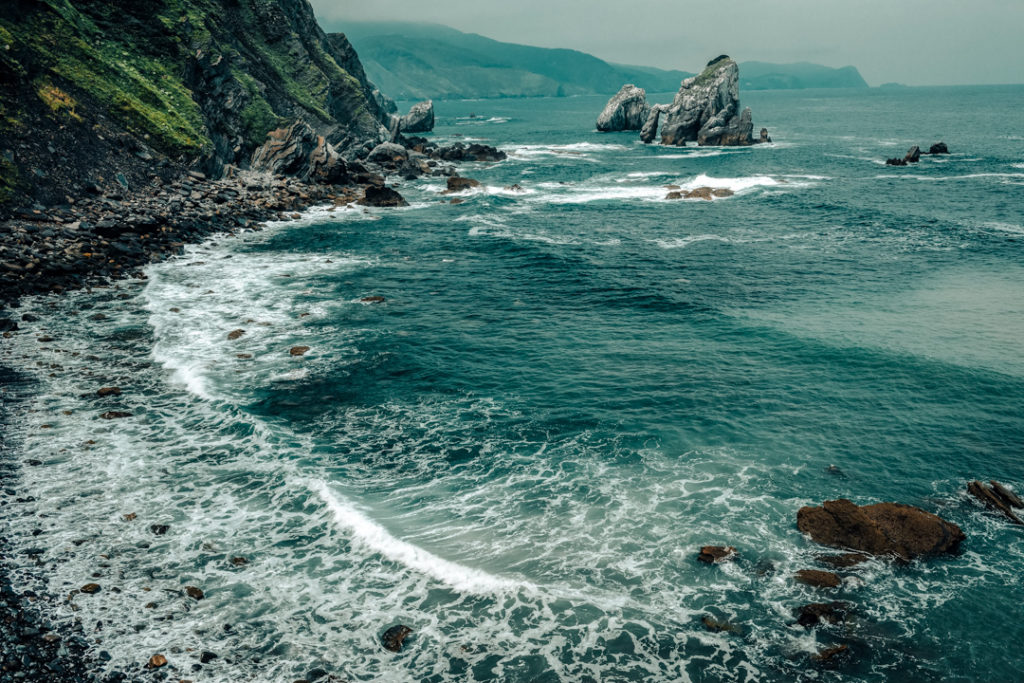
x=568 y=389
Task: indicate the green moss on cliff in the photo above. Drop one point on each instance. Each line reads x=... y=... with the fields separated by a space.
x=708 y=74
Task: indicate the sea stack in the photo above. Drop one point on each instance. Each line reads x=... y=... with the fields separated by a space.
x=626 y=110
x=706 y=110
x=420 y=118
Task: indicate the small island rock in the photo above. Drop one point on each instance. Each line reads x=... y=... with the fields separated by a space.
x=626 y=110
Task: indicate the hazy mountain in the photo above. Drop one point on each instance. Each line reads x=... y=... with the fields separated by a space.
x=417 y=61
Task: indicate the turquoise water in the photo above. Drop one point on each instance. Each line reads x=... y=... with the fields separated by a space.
x=567 y=391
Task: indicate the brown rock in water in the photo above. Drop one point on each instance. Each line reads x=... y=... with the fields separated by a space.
x=382 y=196
x=373 y=300
x=194 y=593
x=298 y=350
x=896 y=162
x=764 y=136
x=460 y=184
x=90 y=588
x=713 y=554
x=938 y=148
x=700 y=193
x=722 y=192
x=844 y=560
x=115 y=415
x=156 y=661
x=457 y=200
x=674 y=195
x=108 y=391
x=991 y=499
x=716 y=626
x=393 y=638
x=817 y=612
x=1011 y=498
x=880 y=529
x=515 y=187
x=239 y=561
x=159 y=529
x=818 y=578
x=130 y=517
x=235 y=334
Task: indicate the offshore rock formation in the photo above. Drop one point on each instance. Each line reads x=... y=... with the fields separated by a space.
x=891 y=529
x=626 y=110
x=706 y=110
x=420 y=118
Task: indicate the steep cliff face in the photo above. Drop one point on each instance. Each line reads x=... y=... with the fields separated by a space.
x=626 y=110
x=98 y=90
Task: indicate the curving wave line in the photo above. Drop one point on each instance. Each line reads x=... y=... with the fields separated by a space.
x=375 y=537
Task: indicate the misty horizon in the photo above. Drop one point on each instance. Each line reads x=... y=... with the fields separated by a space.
x=918 y=43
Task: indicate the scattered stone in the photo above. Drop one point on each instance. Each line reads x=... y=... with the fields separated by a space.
x=372 y=300
x=298 y=350
x=90 y=588
x=457 y=200
x=818 y=578
x=896 y=162
x=235 y=334
x=115 y=415
x=705 y=193
x=675 y=194
x=713 y=554
x=130 y=517
x=393 y=638
x=815 y=613
x=207 y=657
x=844 y=560
x=902 y=531
x=243 y=356
x=194 y=593
x=109 y=391
x=239 y=561
x=159 y=529
x=514 y=187
x=460 y=184
x=765 y=138
x=156 y=661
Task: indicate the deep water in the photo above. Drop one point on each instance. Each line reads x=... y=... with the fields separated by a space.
x=567 y=391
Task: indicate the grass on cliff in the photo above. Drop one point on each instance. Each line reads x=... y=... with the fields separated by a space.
x=709 y=72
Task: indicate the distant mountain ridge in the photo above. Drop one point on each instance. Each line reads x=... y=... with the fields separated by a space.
x=410 y=60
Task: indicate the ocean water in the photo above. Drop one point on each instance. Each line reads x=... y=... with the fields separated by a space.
x=566 y=393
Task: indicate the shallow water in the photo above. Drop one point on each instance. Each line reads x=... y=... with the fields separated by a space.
x=566 y=393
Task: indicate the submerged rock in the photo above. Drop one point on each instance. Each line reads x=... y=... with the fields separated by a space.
x=815 y=613
x=844 y=560
x=997 y=498
x=892 y=529
x=707 y=109
x=393 y=638
x=818 y=578
x=626 y=110
x=420 y=118
x=713 y=554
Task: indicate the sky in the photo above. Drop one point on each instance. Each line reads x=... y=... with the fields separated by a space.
x=915 y=42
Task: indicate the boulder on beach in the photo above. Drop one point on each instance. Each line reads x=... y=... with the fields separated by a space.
x=891 y=529
x=300 y=152
x=626 y=110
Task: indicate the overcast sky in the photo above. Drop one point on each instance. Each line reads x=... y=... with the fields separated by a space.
x=917 y=42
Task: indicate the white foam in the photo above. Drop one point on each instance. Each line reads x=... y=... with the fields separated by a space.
x=682 y=242
x=735 y=184
x=374 y=536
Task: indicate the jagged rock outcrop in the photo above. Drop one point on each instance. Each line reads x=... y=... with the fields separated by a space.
x=626 y=110
x=892 y=529
x=420 y=118
x=196 y=84
x=298 y=151
x=650 y=127
x=706 y=110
